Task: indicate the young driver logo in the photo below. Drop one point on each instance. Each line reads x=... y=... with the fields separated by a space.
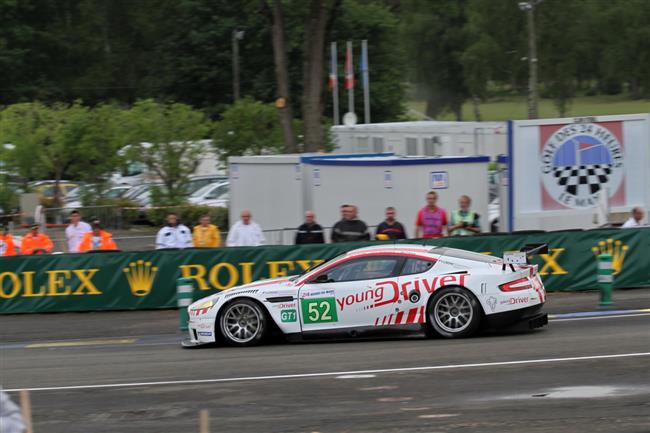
x=578 y=161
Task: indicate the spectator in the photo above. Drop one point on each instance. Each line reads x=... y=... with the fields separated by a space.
x=97 y=239
x=350 y=228
x=310 y=232
x=206 y=235
x=431 y=220
x=35 y=242
x=245 y=233
x=636 y=220
x=390 y=228
x=174 y=234
x=75 y=231
x=7 y=245
x=11 y=420
x=464 y=222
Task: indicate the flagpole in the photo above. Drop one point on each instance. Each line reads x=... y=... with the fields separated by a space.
x=349 y=76
x=334 y=80
x=366 y=80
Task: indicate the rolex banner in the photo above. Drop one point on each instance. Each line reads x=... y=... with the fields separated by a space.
x=147 y=280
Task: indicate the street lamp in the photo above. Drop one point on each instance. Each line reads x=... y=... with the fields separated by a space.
x=237 y=35
x=529 y=8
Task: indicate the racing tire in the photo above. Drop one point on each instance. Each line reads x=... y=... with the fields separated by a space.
x=453 y=312
x=243 y=323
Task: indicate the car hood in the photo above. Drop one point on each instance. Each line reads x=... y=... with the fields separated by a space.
x=275 y=286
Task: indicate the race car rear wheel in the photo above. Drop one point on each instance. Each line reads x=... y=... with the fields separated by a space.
x=243 y=323
x=453 y=312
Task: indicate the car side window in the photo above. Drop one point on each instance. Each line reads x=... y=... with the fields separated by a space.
x=416 y=266
x=364 y=269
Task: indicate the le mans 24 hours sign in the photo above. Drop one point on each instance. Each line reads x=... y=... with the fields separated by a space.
x=580 y=160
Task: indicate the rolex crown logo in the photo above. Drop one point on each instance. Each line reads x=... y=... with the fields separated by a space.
x=140 y=275
x=616 y=249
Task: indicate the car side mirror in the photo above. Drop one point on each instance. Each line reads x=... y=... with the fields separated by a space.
x=322 y=278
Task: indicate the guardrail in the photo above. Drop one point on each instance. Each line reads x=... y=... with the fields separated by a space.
x=146 y=280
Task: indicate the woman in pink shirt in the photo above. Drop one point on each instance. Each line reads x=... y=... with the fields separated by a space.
x=431 y=219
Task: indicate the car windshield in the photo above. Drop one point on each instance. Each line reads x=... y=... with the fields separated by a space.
x=317 y=266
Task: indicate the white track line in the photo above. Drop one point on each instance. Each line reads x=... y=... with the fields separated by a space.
x=599 y=317
x=333 y=373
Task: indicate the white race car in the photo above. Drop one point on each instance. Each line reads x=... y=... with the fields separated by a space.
x=448 y=292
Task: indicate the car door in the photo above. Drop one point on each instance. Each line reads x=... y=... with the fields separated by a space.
x=350 y=294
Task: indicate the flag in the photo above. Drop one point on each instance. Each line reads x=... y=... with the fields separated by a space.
x=333 y=78
x=349 y=69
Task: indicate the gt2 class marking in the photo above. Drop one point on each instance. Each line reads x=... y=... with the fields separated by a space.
x=319 y=310
x=390 y=292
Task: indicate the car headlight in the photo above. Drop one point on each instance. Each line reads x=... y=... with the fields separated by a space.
x=203 y=306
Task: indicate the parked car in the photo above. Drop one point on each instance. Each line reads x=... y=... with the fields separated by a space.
x=45 y=190
x=215 y=194
x=74 y=199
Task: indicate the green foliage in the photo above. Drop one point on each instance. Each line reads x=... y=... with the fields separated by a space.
x=248 y=127
x=436 y=35
x=169 y=140
x=52 y=142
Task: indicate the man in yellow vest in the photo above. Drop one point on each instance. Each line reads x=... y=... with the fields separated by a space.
x=206 y=235
x=464 y=222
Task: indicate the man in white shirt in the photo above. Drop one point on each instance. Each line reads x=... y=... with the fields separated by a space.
x=173 y=235
x=245 y=233
x=75 y=231
x=636 y=220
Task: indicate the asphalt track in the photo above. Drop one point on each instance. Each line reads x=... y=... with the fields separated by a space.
x=125 y=372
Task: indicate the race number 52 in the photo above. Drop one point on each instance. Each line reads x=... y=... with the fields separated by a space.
x=319 y=310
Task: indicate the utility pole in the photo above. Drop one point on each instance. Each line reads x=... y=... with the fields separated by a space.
x=237 y=35
x=529 y=8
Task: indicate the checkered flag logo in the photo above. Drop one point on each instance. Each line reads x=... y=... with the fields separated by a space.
x=584 y=179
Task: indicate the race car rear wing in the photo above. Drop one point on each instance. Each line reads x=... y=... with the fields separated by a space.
x=512 y=258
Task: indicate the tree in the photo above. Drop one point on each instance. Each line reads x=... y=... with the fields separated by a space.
x=249 y=127
x=313 y=73
x=435 y=31
x=46 y=139
x=170 y=140
x=282 y=74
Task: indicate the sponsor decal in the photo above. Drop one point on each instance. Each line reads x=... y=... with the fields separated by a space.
x=60 y=282
x=285 y=305
x=515 y=301
x=492 y=302
x=413 y=315
x=224 y=275
x=390 y=292
x=205 y=334
x=617 y=249
x=577 y=161
x=140 y=275
x=202 y=325
x=288 y=316
x=316 y=293
x=319 y=310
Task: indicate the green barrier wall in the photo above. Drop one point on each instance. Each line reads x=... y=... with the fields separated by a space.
x=146 y=280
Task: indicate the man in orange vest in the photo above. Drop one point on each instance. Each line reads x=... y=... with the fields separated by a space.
x=97 y=239
x=36 y=243
x=7 y=245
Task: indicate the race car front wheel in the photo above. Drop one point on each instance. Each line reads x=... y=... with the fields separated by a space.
x=453 y=312
x=243 y=323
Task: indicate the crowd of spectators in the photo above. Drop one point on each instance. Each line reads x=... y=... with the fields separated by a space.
x=431 y=221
